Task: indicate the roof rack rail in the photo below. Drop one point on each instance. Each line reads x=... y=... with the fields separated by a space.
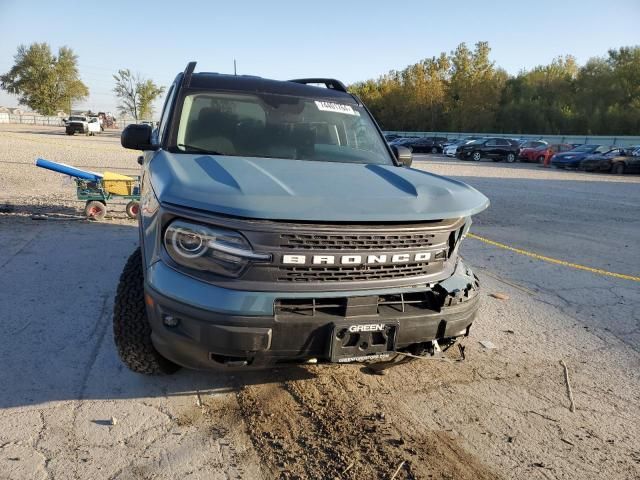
x=186 y=77
x=331 y=83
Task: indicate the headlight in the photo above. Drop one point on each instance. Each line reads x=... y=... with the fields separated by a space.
x=212 y=249
x=568 y=157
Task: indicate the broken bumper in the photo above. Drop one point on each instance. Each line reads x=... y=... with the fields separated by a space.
x=201 y=326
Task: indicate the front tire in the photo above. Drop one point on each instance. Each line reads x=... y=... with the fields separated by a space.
x=541 y=159
x=434 y=150
x=131 y=329
x=510 y=158
x=476 y=156
x=617 y=168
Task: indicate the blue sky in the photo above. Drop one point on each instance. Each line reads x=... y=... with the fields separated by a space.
x=349 y=40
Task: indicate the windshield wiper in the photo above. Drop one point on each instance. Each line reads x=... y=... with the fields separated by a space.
x=199 y=149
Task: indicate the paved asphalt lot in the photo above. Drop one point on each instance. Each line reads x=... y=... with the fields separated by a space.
x=69 y=409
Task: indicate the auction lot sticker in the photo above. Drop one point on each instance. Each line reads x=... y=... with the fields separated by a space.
x=336 y=107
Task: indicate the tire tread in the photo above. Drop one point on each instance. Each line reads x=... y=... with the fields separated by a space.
x=131 y=328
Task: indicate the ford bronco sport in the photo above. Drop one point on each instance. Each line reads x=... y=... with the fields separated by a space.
x=278 y=226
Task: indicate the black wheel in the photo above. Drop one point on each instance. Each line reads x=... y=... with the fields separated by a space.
x=541 y=159
x=132 y=209
x=617 y=168
x=476 y=156
x=511 y=157
x=95 y=210
x=131 y=329
x=434 y=150
x=69 y=133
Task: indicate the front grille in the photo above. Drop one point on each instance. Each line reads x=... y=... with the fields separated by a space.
x=355 y=273
x=388 y=305
x=347 y=256
x=305 y=241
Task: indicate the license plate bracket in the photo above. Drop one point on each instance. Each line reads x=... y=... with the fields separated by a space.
x=363 y=341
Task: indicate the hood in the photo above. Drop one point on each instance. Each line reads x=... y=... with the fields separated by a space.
x=573 y=155
x=280 y=189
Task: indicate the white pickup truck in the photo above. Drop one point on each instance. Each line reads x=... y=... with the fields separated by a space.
x=82 y=124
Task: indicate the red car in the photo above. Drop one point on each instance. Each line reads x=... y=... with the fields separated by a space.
x=543 y=153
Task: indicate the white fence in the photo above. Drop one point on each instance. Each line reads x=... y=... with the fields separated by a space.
x=31 y=119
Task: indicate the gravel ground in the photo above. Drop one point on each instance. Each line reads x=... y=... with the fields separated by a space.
x=69 y=409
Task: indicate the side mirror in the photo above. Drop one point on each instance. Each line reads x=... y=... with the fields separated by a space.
x=137 y=137
x=403 y=155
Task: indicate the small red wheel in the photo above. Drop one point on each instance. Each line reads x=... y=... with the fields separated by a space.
x=95 y=210
x=132 y=209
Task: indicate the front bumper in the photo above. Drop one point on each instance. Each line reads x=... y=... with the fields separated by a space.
x=219 y=327
x=75 y=128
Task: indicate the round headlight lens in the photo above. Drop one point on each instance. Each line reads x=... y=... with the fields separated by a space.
x=188 y=243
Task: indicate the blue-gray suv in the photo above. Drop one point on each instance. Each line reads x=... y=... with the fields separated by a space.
x=278 y=226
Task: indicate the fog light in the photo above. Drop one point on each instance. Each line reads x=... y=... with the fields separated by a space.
x=170 y=321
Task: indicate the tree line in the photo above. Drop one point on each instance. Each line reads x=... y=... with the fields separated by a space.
x=48 y=83
x=465 y=91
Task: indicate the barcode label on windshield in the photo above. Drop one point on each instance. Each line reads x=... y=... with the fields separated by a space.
x=336 y=107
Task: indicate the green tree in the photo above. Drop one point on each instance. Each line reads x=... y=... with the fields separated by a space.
x=44 y=82
x=466 y=92
x=136 y=94
x=541 y=100
x=475 y=89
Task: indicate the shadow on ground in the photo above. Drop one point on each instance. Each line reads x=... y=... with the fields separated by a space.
x=58 y=280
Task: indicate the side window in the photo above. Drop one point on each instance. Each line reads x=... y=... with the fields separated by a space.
x=165 y=113
x=502 y=142
x=491 y=143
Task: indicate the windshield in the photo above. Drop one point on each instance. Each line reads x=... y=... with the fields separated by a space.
x=77 y=119
x=279 y=126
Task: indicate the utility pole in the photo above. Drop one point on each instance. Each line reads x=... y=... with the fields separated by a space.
x=234 y=67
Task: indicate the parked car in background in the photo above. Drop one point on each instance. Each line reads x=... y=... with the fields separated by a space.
x=633 y=150
x=572 y=158
x=82 y=124
x=402 y=142
x=627 y=163
x=426 y=144
x=532 y=143
x=616 y=160
x=389 y=137
x=450 y=149
x=459 y=141
x=494 y=148
x=543 y=153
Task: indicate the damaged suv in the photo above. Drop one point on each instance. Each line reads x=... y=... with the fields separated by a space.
x=278 y=226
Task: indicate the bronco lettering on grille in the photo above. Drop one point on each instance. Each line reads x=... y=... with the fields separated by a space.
x=355 y=259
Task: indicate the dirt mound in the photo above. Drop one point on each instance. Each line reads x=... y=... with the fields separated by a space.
x=317 y=429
